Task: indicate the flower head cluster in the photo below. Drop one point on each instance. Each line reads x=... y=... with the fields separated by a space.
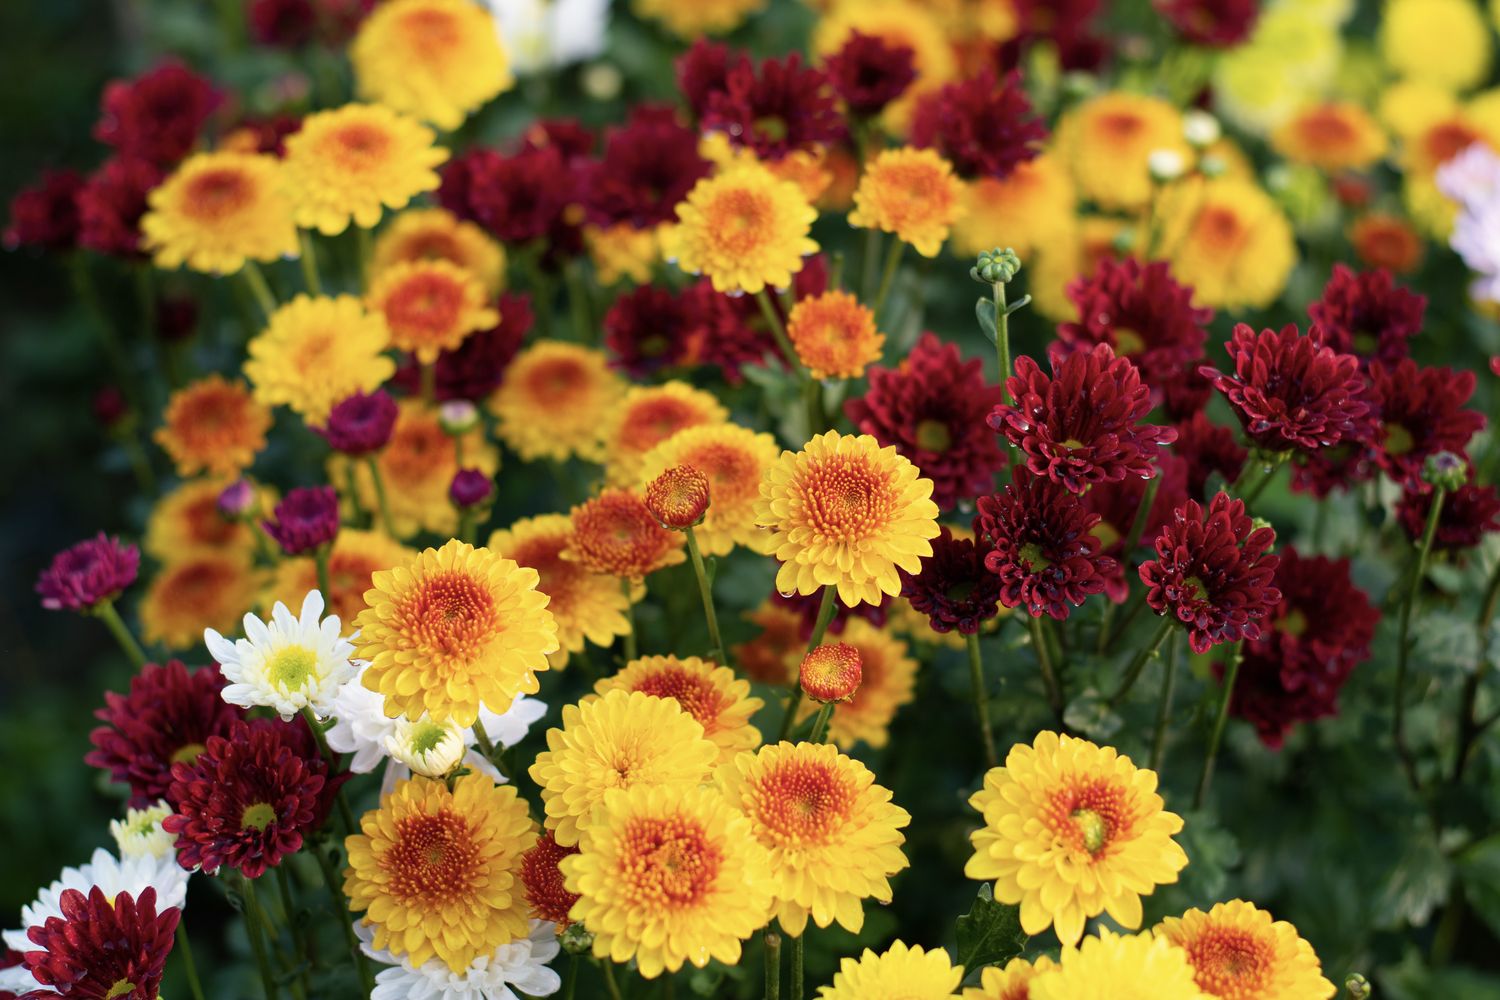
x=834 y=335
x=869 y=72
x=711 y=694
x=213 y=425
x=984 y=126
x=1469 y=513
x=774 y=108
x=85 y=575
x=649 y=165
x=45 y=215
x=218 y=210
x=1368 y=315
x=317 y=352
x=955 y=588
x=287 y=664
x=157 y=116
x=103 y=946
x=910 y=192
x=1239 y=950
x=1421 y=413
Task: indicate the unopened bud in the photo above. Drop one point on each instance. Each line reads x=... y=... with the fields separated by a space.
x=470 y=488
x=1445 y=470
x=1357 y=987
x=140 y=833
x=237 y=501
x=831 y=673
x=996 y=267
x=1213 y=166
x=458 y=416
x=1166 y=165
x=678 y=498
x=576 y=940
x=1201 y=129
x=429 y=748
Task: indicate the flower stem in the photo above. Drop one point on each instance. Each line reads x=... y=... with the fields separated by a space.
x=981 y=700
x=301 y=949
x=255 y=278
x=189 y=967
x=794 y=991
x=1236 y=653
x=631 y=648
x=768 y=310
x=325 y=580
x=773 y=964
x=609 y=979
x=1137 y=665
x=365 y=243
x=870 y=261
x=820 y=724
x=254 y=930
x=1468 y=726
x=351 y=487
x=705 y=591
x=1049 y=674
x=1002 y=356
x=380 y=498
x=429 y=383
x=1403 y=647
x=579 y=306
x=888 y=276
x=1164 y=707
x=820 y=627
x=105 y=612
x=309 y=258
x=341 y=914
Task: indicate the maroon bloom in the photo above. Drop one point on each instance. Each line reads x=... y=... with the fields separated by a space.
x=45 y=215
x=807 y=605
x=1118 y=504
x=86 y=575
x=1207 y=448
x=648 y=329
x=1042 y=546
x=111 y=204
x=470 y=488
x=954 y=589
x=474 y=368
x=1081 y=425
x=775 y=108
x=1421 y=413
x=649 y=165
x=307 y=518
x=361 y=424
x=703 y=71
x=984 y=126
x=1290 y=391
x=570 y=137
x=735 y=333
x=1214 y=571
x=103 y=948
x=158 y=115
x=1368 y=315
x=167 y=718
x=1217 y=24
x=292 y=24
x=1068 y=24
x=931 y=408
x=869 y=73
x=519 y=198
x=1468 y=513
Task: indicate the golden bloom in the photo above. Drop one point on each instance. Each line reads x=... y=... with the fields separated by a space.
x=899 y=973
x=846 y=513
x=774 y=655
x=1010 y=983
x=1032 y=209
x=834 y=335
x=316 y=352
x=830 y=672
x=423 y=234
x=1054 y=268
x=1336 y=135
x=649 y=415
x=1444 y=42
x=453 y=628
x=435 y=871
x=437 y=60
x=888 y=680
x=218 y=210
x=203 y=590
x=586 y=605
x=733 y=459
x=711 y=694
x=1238 y=952
x=212 y=425
x=352 y=563
x=691 y=20
x=1229 y=241
x=1118 y=967
x=678 y=497
x=186 y=522
x=1386 y=241
x=623 y=251
x=1107 y=140
x=744 y=227
x=351 y=163
x=833 y=835
x=912 y=193
x=550 y=401
x=626 y=739
x=430 y=306
x=615 y=534
x=1070 y=830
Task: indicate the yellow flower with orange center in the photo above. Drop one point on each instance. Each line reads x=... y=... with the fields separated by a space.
x=206 y=589
x=647 y=416
x=803 y=167
x=913 y=193
x=888 y=679
x=899 y=973
x=834 y=335
x=1118 y=967
x=353 y=561
x=550 y=401
x=316 y=352
x=218 y=210
x=1337 y=135
x=437 y=60
x=744 y=227
x=586 y=605
x=436 y=873
x=1238 y=952
x=424 y=234
x=186 y=522
x=1072 y=830
x=622 y=251
x=1107 y=140
x=626 y=739
x=430 y=306
x=354 y=162
x=846 y=513
x=833 y=835
x=773 y=656
x=692 y=20
x=214 y=426
x=1013 y=982
x=733 y=459
x=451 y=629
x=1229 y=241
x=667 y=876
x=711 y=694
x=1428 y=149
x=616 y=535
x=1031 y=210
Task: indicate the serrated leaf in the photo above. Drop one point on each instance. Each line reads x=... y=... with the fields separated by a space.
x=984 y=310
x=1417 y=886
x=990 y=932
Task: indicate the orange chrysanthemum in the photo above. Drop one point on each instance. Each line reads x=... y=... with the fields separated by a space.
x=1337 y=135
x=546 y=893
x=186 y=522
x=425 y=234
x=1387 y=241
x=834 y=335
x=773 y=655
x=649 y=415
x=616 y=535
x=711 y=694
x=733 y=459
x=1010 y=983
x=1239 y=953
x=912 y=193
x=204 y=590
x=678 y=497
x=217 y=211
x=214 y=426
x=888 y=680
x=430 y=306
x=830 y=672
x=352 y=563
x=550 y=403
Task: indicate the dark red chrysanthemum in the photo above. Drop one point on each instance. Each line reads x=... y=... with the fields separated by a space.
x=648 y=329
x=807 y=605
x=1468 y=513
x=1346 y=464
x=1081 y=425
x=103 y=948
x=361 y=424
x=649 y=165
x=1368 y=315
x=158 y=115
x=294 y=23
x=85 y=575
x=775 y=108
x=470 y=488
x=111 y=204
x=1421 y=413
x=1069 y=25
x=954 y=589
x=307 y=518
x=870 y=72
x=45 y=215
x=931 y=408
x=1318 y=634
x=1042 y=546
x=519 y=198
x=1207 y=448
x=546 y=893
x=983 y=126
x=1289 y=391
x=735 y=329
x=1217 y=24
x=1117 y=505
x=474 y=368
x=249 y=798
x=703 y=71
x=570 y=137
x=167 y=718
x=1214 y=571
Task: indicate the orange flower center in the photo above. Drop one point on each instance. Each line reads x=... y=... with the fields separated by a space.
x=433 y=860
x=432 y=33
x=1088 y=816
x=417 y=452
x=1326 y=128
x=558 y=578
x=1447 y=140
x=738 y=219
x=1219 y=227
x=649 y=424
x=846 y=499
x=555 y=378
x=668 y=862
x=801 y=801
x=449 y=612
x=432 y=246
x=205 y=524
x=1230 y=962
x=426 y=306
x=1121 y=126
x=358 y=146
x=695 y=694
x=217 y=193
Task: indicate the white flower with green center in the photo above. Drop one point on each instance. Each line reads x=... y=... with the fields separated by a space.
x=289 y=664
x=513 y=970
x=139 y=834
x=429 y=748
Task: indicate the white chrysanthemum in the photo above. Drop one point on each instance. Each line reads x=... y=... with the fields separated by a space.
x=1472 y=179
x=519 y=965
x=140 y=834
x=288 y=665
x=429 y=748
x=542 y=34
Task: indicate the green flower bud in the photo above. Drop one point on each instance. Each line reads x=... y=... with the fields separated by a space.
x=576 y=940
x=1446 y=470
x=1358 y=987
x=996 y=267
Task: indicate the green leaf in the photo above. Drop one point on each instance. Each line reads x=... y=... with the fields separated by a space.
x=984 y=309
x=1418 y=885
x=990 y=932
x=1090 y=714
x=1479 y=874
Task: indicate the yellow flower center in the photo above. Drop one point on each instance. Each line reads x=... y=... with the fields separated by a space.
x=1106 y=533
x=1093 y=828
x=1127 y=341
x=1032 y=558
x=187 y=753
x=122 y=987
x=933 y=435
x=1295 y=623
x=257 y=816
x=292 y=667
x=1398 y=440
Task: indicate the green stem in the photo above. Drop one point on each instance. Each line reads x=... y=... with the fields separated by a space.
x=429 y=383
x=579 y=309
x=189 y=967
x=820 y=627
x=341 y=914
x=140 y=462
x=1468 y=726
x=301 y=947
x=705 y=591
x=1403 y=648
x=109 y=337
x=346 y=815
x=105 y=612
x=1049 y=674
x=254 y=930
x=570 y=984
x=1002 y=356
x=1220 y=721
x=820 y=723
x=1132 y=611
x=380 y=498
x=309 y=258
x=255 y=279
x=773 y=964
x=351 y=486
x=871 y=263
x=1164 y=707
x=981 y=700
x=541 y=290
x=778 y=330
x=631 y=648
x=325 y=581
x=1142 y=515
x=888 y=276
x=1138 y=664
x=365 y=244
x=794 y=992
x=609 y=979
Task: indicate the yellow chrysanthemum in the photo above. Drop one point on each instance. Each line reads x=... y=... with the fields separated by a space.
x=352 y=564
x=316 y=352
x=437 y=234
x=1294 y=52
x=1118 y=967
x=1048 y=275
x=1445 y=42
x=711 y=694
x=897 y=23
x=218 y=210
x=833 y=834
x=430 y=306
x=186 y=522
x=744 y=227
x=834 y=335
x=1010 y=983
x=436 y=872
x=204 y=590
x=587 y=606
x=1071 y=830
x=733 y=459
x=806 y=168
x=899 y=973
x=624 y=740
x=668 y=875
x=888 y=680
x=1107 y=140
x=550 y=403
x=1427 y=150
x=1229 y=241
x=1407 y=107
x=1031 y=209
x=352 y=163
x=437 y=60
x=453 y=628
x=846 y=513
x=1238 y=952
x=648 y=416
x=622 y=251
x=1338 y=135
x=213 y=425
x=692 y=20
x=912 y=193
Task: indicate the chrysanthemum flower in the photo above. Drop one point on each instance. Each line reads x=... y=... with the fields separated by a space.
x=888 y=676
x=158 y=115
x=743 y=228
x=355 y=557
x=1445 y=42
x=621 y=252
x=218 y=210
x=846 y=513
x=834 y=335
x=912 y=193
x=546 y=892
x=518 y=967
x=1229 y=241
x=774 y=108
x=616 y=535
x=1387 y=241
x=648 y=416
x=435 y=871
x=869 y=72
x=649 y=164
x=103 y=946
x=422 y=234
x=1368 y=315
x=734 y=460
x=437 y=60
x=1071 y=830
x=1239 y=952
x=45 y=215
x=899 y=973
x=1217 y=24
x=111 y=204
x=626 y=739
x=668 y=875
x=87 y=574
x=1214 y=571
x=307 y=518
x=475 y=369
x=1421 y=413
x=1118 y=967
x=530 y=195
x=1469 y=513
x=1013 y=982
x=897 y=23
x=430 y=306
x=649 y=329
x=1336 y=135
x=713 y=17
x=316 y=352
x=551 y=399
x=711 y=694
x=289 y=664
x=454 y=628
x=1118 y=504
x=1107 y=140
x=214 y=426
x=830 y=672
x=954 y=589
x=984 y=126
x=772 y=656
x=1032 y=211
x=205 y=589
x=678 y=497
x=140 y=833
x=1207 y=448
